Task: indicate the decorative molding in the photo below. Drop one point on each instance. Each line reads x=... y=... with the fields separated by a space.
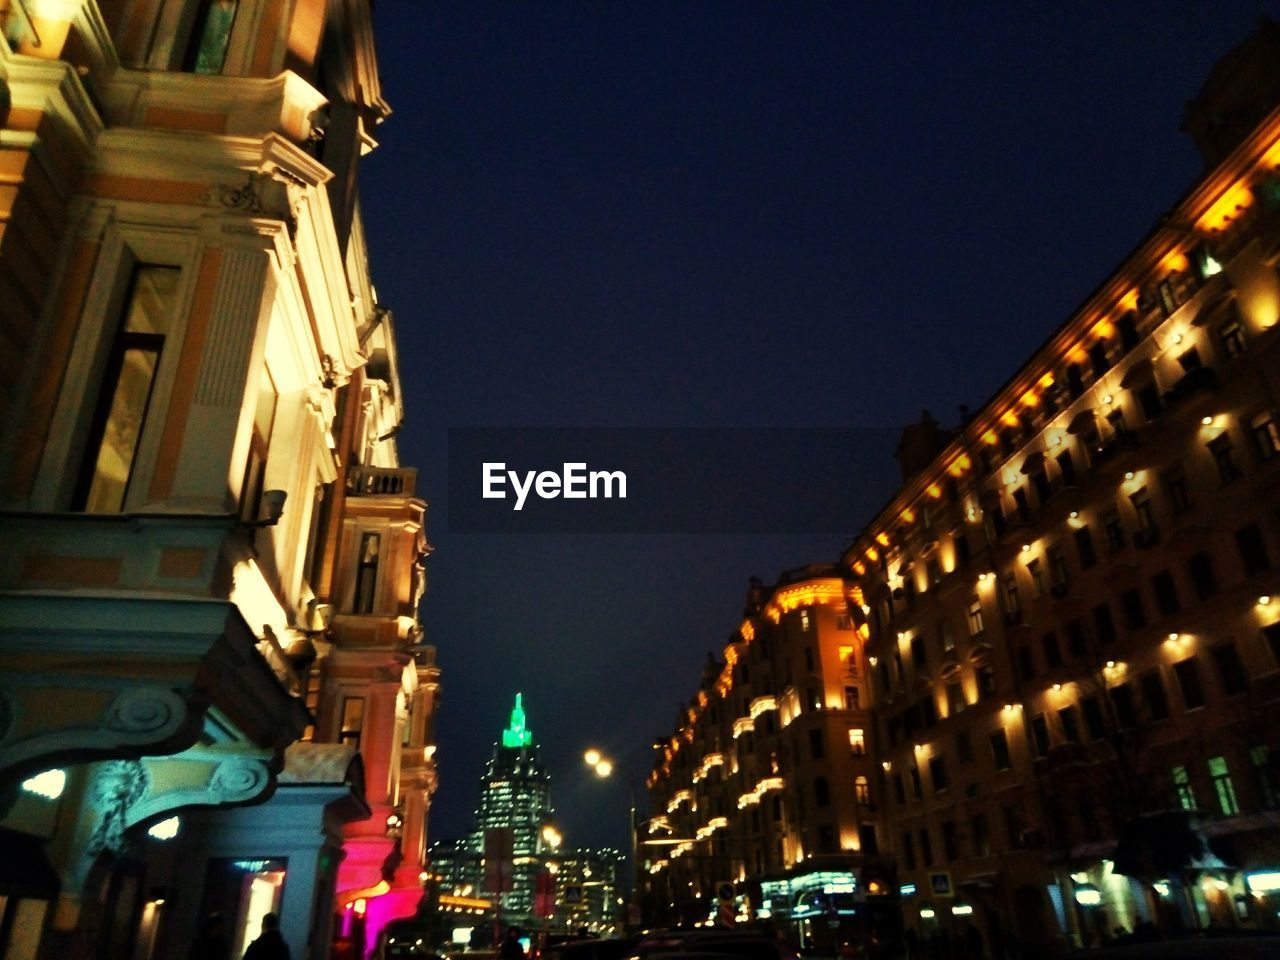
x=202 y=779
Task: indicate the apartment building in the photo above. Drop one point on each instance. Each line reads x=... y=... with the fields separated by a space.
x=765 y=801
x=1073 y=636
x=212 y=663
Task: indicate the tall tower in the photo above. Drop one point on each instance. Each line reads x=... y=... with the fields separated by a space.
x=516 y=793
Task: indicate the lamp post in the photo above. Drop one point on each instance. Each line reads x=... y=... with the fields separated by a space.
x=602 y=766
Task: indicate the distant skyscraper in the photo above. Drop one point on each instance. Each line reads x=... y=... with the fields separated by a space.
x=515 y=793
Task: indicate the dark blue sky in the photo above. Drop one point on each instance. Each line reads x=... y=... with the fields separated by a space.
x=739 y=214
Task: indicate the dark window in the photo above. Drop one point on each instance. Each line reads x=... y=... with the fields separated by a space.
x=1114 y=528
x=926 y=849
x=1040 y=482
x=124 y=399
x=867 y=839
x=1000 y=750
x=210 y=36
x=817 y=744
x=1026 y=663
x=1264 y=776
x=1154 y=695
x=1091 y=707
x=1135 y=617
x=1103 y=624
x=1224 y=458
x=1200 y=566
x=955 y=698
x=1058 y=574
x=1231 y=338
x=821 y=792
x=961 y=541
x=1067 y=467
x=1022 y=505
x=1175 y=486
x=1188 y=674
x=1070 y=724
x=980 y=834
x=1040 y=734
x=1190 y=360
x=1122 y=701
x=919 y=658
x=352 y=720
x=1265 y=434
x=1149 y=400
x=908 y=851
x=1166 y=591
x=949 y=845
x=938 y=774
x=1253 y=549
x=1036 y=572
x=917 y=787
x=1084 y=546
x=1014 y=826
x=367 y=573
x=1077 y=638
x=1142 y=510
x=1230 y=670
x=1052 y=652
x=1128 y=329
x=1075 y=380
x=899 y=790
x=1098 y=358
x=964 y=746
x=986 y=683
x=1272 y=635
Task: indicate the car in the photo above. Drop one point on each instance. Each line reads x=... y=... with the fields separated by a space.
x=591 y=949
x=744 y=944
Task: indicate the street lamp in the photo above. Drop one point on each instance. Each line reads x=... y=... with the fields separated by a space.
x=603 y=768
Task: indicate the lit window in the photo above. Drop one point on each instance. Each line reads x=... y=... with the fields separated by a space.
x=804 y=621
x=858 y=741
x=1223 y=788
x=127 y=386
x=1182 y=788
x=862 y=791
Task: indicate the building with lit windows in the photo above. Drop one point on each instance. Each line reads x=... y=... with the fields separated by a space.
x=213 y=672
x=515 y=798
x=769 y=780
x=1073 y=601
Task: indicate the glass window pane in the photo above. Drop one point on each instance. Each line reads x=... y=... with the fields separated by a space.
x=214 y=34
x=120 y=436
x=151 y=300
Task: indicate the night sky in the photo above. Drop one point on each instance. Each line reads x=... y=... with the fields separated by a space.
x=727 y=214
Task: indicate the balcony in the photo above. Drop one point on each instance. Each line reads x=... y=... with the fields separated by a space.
x=381 y=482
x=1197 y=380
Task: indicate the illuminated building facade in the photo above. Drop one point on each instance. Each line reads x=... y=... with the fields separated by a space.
x=769 y=780
x=197 y=394
x=1073 y=636
x=515 y=795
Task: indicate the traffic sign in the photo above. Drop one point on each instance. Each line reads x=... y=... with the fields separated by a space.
x=573 y=894
x=724 y=892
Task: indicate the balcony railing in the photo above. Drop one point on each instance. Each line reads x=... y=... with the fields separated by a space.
x=381 y=481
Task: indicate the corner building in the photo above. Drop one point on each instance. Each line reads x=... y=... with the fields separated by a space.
x=210 y=676
x=769 y=778
x=1073 y=600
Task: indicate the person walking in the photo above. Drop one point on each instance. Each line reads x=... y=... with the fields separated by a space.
x=212 y=942
x=269 y=946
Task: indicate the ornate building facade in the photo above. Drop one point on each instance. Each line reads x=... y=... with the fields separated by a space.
x=213 y=671
x=1066 y=622
x=769 y=783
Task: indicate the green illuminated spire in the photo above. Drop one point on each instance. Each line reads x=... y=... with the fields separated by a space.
x=516 y=735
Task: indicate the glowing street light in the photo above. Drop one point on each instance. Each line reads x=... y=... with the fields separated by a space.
x=592 y=757
x=604 y=768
